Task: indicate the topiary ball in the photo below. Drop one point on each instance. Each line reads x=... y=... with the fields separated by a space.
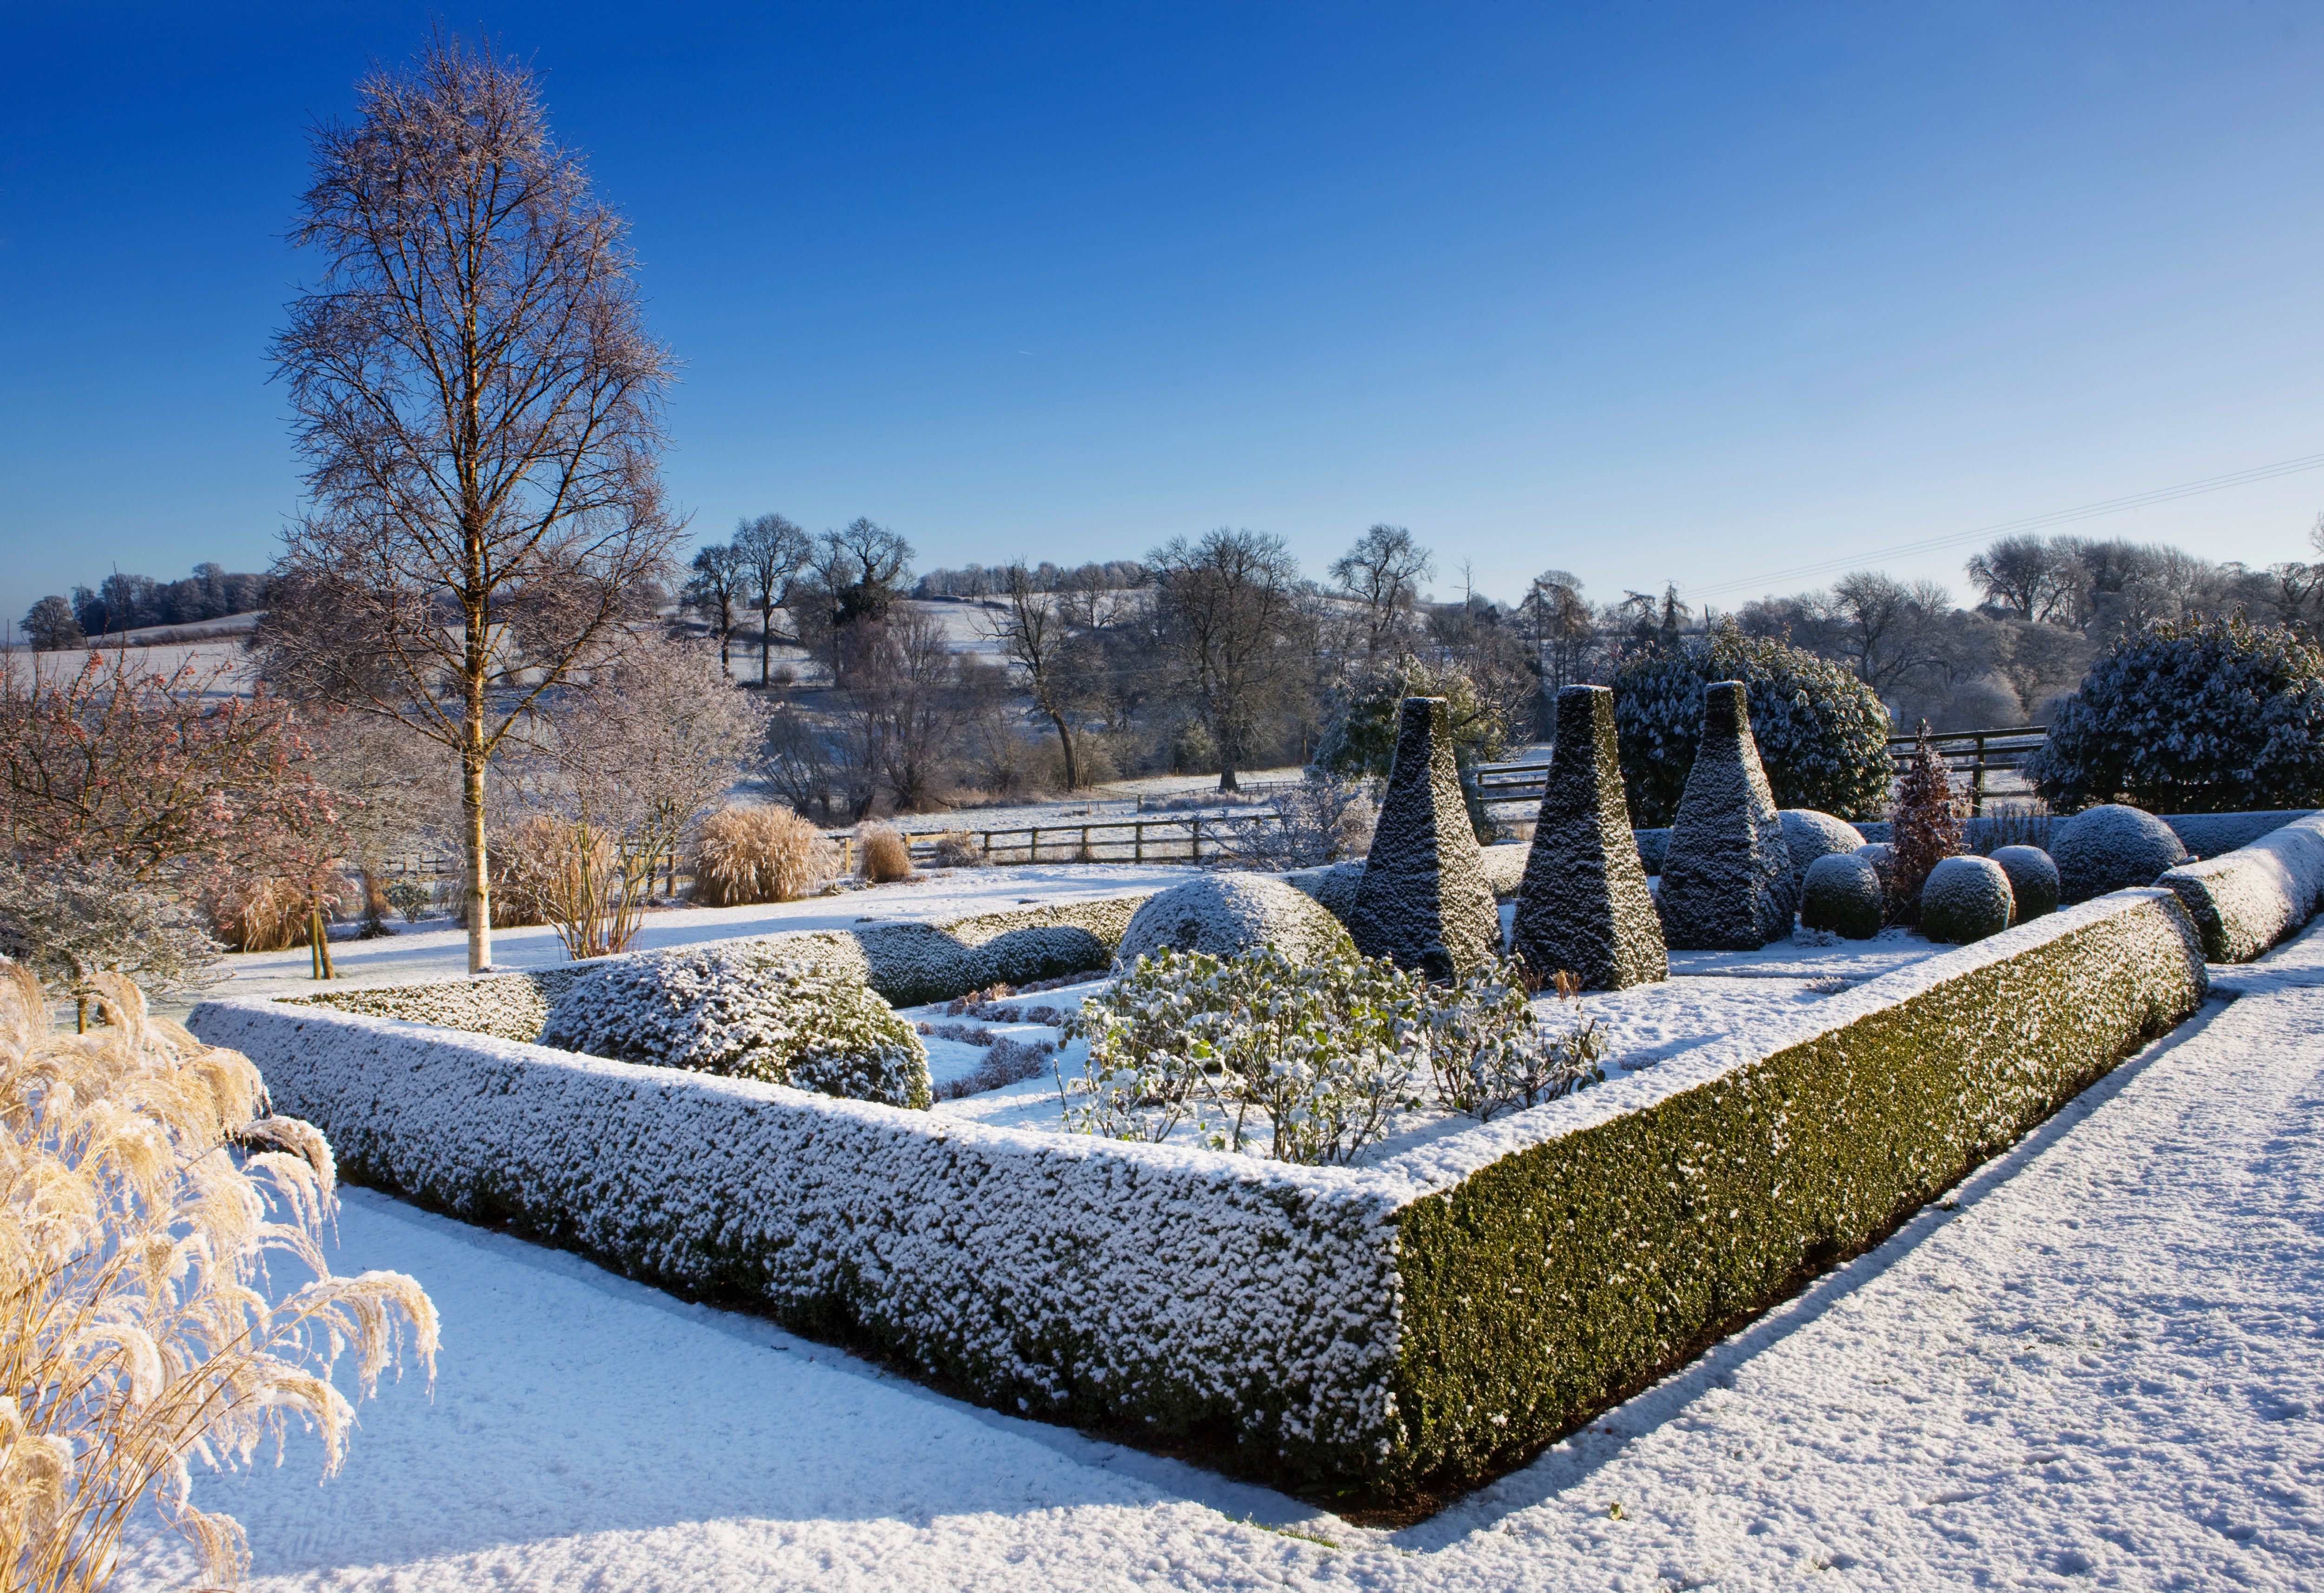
x=1841 y=893
x=2111 y=848
x=1966 y=898
x=1812 y=835
x=2033 y=880
x=1225 y=913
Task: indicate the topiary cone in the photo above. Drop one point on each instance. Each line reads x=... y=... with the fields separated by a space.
x=1727 y=880
x=1584 y=906
x=1424 y=901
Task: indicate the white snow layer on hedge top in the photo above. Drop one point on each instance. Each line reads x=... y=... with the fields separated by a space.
x=2246 y=901
x=745 y=1013
x=1196 y=1290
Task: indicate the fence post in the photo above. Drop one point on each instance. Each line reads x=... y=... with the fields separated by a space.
x=1138 y=835
x=1195 y=851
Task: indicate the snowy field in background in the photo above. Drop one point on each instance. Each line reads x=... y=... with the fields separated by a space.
x=2102 y=1364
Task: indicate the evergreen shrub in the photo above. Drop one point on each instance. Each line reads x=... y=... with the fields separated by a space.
x=1823 y=734
x=2201 y=715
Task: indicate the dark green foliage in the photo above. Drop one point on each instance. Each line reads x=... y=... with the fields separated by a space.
x=1965 y=899
x=1841 y=895
x=2111 y=848
x=1424 y=901
x=2204 y=716
x=2033 y=881
x=1823 y=734
x=1584 y=906
x=1726 y=876
x=1548 y=1285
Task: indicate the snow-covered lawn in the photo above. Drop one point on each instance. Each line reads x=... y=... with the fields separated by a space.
x=2101 y=1364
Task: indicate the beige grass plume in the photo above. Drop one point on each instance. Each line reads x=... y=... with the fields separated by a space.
x=144 y=1195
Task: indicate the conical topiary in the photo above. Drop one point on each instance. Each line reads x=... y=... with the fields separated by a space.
x=1424 y=901
x=1584 y=907
x=1727 y=880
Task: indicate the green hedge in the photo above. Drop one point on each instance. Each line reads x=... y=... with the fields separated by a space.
x=1557 y=1280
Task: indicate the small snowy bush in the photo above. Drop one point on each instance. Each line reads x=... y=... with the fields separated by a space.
x=2204 y=716
x=1965 y=899
x=2111 y=848
x=1323 y=1057
x=1823 y=734
x=1812 y=835
x=1225 y=913
x=2033 y=881
x=1842 y=896
x=740 y=1011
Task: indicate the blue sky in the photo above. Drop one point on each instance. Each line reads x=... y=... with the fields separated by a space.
x=1648 y=292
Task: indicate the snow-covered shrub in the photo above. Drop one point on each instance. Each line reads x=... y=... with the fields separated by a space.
x=1322 y=1055
x=746 y=854
x=1334 y=887
x=1319 y=1055
x=2033 y=881
x=2199 y=716
x=1225 y=913
x=1492 y=1053
x=1726 y=874
x=1965 y=898
x=742 y=1012
x=411 y=898
x=1809 y=835
x=1422 y=899
x=1324 y=819
x=883 y=856
x=69 y=918
x=2247 y=900
x=2109 y=848
x=1841 y=894
x=1924 y=828
x=511 y=1007
x=1822 y=732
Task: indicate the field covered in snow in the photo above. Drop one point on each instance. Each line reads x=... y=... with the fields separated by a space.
x=2098 y=1364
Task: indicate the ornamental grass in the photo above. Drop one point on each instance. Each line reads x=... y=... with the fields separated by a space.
x=747 y=855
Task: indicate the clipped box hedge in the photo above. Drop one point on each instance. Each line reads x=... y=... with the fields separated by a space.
x=1397 y=1329
x=2246 y=901
x=909 y=963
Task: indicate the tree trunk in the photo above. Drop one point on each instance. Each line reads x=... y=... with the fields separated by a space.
x=472 y=812
x=1065 y=744
x=766 y=638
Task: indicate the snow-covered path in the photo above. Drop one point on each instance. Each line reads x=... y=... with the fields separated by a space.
x=2102 y=1365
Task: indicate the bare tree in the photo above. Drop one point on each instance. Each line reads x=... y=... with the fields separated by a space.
x=478 y=406
x=718 y=584
x=1032 y=632
x=2023 y=572
x=1381 y=571
x=1889 y=628
x=772 y=551
x=905 y=696
x=51 y=627
x=1227 y=608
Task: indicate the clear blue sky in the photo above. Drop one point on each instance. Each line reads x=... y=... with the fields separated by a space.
x=1654 y=292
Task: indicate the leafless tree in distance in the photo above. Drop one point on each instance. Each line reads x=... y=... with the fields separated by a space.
x=478 y=406
x=720 y=579
x=1382 y=571
x=772 y=551
x=1033 y=635
x=1227 y=608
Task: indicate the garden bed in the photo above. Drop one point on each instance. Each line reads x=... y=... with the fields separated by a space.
x=1403 y=1328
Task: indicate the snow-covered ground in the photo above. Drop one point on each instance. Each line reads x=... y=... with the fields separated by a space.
x=2099 y=1364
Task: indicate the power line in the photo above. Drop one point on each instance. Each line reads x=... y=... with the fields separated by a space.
x=2138 y=500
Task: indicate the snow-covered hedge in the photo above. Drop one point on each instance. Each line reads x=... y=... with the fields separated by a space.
x=2246 y=901
x=909 y=964
x=1419 y=1323
x=748 y=1013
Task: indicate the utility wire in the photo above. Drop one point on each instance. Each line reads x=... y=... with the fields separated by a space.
x=2138 y=500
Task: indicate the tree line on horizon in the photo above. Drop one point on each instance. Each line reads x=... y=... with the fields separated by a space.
x=135 y=602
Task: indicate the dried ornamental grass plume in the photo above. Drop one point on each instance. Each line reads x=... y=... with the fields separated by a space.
x=747 y=855
x=143 y=1197
x=887 y=857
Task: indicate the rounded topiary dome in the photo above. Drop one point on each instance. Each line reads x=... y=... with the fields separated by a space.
x=1965 y=899
x=2033 y=880
x=2111 y=848
x=1225 y=913
x=1841 y=894
x=1812 y=835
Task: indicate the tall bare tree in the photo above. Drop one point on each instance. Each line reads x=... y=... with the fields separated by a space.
x=1381 y=571
x=720 y=579
x=1032 y=633
x=478 y=406
x=772 y=551
x=1228 y=607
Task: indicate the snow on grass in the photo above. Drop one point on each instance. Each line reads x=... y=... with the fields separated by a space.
x=2098 y=1363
